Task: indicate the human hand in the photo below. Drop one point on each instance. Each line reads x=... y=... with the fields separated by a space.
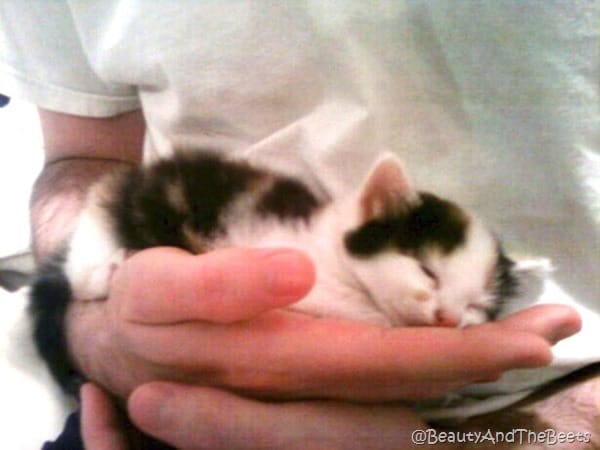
x=205 y=418
x=197 y=417
x=166 y=294
x=101 y=426
x=215 y=320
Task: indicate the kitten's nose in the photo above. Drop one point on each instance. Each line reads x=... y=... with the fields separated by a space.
x=445 y=319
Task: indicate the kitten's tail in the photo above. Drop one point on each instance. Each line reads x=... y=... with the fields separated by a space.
x=49 y=298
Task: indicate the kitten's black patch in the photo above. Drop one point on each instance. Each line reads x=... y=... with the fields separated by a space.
x=434 y=222
x=288 y=199
x=504 y=283
x=146 y=217
x=49 y=298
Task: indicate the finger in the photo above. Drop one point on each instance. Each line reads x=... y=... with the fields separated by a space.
x=553 y=322
x=101 y=428
x=192 y=417
x=341 y=359
x=166 y=285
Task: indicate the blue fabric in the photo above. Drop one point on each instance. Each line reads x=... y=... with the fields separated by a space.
x=70 y=438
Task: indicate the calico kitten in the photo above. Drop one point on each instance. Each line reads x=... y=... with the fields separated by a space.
x=386 y=253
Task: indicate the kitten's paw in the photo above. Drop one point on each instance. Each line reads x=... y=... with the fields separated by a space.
x=423 y=289
x=423 y=295
x=420 y=307
x=92 y=282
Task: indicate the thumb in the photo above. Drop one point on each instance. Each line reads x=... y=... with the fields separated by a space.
x=168 y=285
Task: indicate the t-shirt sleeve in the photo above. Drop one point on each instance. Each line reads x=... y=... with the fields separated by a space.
x=43 y=61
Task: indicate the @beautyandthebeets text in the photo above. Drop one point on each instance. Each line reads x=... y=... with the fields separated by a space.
x=518 y=436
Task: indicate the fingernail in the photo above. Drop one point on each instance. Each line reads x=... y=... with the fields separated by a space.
x=289 y=273
x=572 y=324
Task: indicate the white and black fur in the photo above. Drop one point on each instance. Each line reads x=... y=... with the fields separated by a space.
x=386 y=253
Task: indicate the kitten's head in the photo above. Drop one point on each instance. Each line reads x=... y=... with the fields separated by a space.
x=423 y=259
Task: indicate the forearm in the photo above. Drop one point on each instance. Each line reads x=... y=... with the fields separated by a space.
x=58 y=196
x=63 y=334
x=78 y=151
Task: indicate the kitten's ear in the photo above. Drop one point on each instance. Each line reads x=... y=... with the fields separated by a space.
x=387 y=190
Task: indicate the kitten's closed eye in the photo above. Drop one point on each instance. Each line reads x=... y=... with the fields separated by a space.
x=431 y=274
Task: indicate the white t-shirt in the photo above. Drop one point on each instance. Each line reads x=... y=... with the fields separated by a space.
x=493 y=104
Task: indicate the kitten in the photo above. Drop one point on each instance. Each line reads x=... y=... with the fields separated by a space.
x=386 y=253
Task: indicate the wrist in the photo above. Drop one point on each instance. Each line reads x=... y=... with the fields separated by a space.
x=58 y=196
x=94 y=352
